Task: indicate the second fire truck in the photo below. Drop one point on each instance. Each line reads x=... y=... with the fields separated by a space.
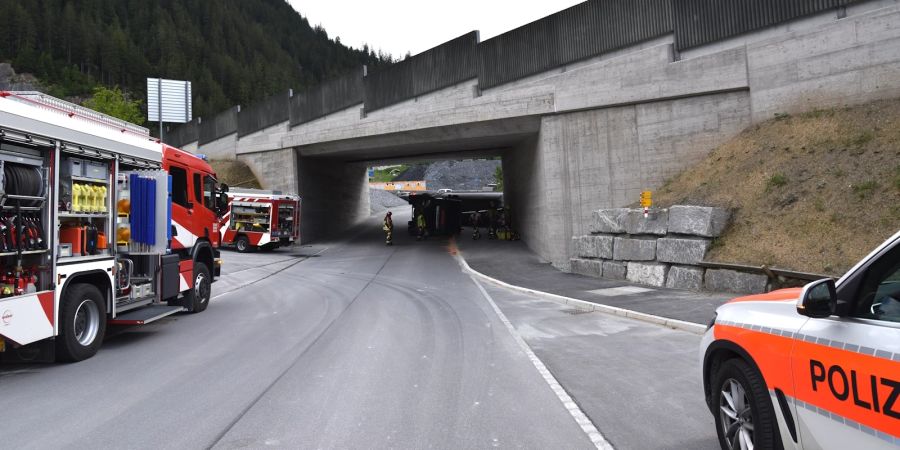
x=260 y=219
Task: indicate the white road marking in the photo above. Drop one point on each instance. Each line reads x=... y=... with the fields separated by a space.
x=586 y=425
x=621 y=290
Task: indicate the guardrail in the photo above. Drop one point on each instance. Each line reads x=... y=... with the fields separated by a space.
x=779 y=278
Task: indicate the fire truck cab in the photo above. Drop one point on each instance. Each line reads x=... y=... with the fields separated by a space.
x=94 y=230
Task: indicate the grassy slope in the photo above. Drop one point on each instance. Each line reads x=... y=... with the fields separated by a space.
x=814 y=192
x=385 y=175
x=234 y=173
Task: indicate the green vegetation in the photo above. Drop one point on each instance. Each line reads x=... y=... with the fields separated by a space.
x=897 y=178
x=817 y=113
x=498 y=179
x=782 y=116
x=776 y=180
x=234 y=51
x=113 y=102
x=388 y=173
x=860 y=138
x=865 y=189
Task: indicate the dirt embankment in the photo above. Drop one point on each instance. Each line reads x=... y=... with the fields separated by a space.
x=812 y=192
x=234 y=173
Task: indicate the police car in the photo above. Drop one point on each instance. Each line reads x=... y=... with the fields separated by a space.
x=817 y=367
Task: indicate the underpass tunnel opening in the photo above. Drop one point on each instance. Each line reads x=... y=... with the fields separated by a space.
x=452 y=191
x=440 y=196
x=466 y=164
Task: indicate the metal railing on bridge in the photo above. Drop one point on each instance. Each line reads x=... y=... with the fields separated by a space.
x=583 y=31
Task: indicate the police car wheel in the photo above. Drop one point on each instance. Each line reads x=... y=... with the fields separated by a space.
x=82 y=323
x=745 y=418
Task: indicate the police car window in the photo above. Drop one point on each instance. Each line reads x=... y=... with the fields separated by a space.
x=179 y=186
x=879 y=294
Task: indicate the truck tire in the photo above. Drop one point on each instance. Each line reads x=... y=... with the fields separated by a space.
x=82 y=323
x=196 y=299
x=743 y=409
x=242 y=244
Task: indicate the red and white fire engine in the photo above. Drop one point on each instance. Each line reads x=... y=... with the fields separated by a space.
x=260 y=219
x=100 y=225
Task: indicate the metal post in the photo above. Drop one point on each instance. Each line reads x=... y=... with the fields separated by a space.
x=159 y=107
x=187 y=101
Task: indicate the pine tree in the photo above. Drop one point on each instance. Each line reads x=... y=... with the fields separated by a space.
x=234 y=51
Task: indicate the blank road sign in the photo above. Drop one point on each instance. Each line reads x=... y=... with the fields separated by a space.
x=169 y=98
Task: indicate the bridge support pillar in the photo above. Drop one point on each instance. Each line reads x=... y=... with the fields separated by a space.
x=335 y=196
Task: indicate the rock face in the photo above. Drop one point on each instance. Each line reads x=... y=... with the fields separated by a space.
x=681 y=251
x=652 y=274
x=724 y=280
x=698 y=220
x=683 y=277
x=594 y=246
x=586 y=267
x=470 y=174
x=655 y=223
x=614 y=270
x=609 y=220
x=631 y=249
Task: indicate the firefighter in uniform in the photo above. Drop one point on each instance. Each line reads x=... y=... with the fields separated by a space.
x=475 y=217
x=492 y=221
x=388 y=229
x=421 y=225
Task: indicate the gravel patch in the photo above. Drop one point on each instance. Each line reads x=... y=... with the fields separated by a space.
x=380 y=200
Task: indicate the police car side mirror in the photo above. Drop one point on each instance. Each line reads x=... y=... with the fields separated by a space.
x=818 y=299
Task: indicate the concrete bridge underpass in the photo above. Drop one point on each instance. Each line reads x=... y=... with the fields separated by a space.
x=586 y=107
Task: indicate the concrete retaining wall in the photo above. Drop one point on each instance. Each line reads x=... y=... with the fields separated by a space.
x=663 y=249
x=582 y=162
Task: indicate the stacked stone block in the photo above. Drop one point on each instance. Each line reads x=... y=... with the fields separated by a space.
x=663 y=249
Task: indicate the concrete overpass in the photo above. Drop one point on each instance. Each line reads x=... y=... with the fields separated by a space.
x=586 y=107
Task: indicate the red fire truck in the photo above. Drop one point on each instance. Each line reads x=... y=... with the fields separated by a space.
x=100 y=225
x=260 y=219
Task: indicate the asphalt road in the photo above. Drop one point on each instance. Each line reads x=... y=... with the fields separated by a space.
x=354 y=344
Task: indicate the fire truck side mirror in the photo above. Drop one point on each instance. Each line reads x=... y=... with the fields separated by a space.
x=222 y=198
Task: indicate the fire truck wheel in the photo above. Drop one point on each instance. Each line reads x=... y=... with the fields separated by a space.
x=197 y=299
x=745 y=417
x=82 y=323
x=242 y=244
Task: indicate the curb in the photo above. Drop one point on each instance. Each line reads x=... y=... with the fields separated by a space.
x=682 y=325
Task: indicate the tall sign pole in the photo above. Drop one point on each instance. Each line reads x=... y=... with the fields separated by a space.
x=159 y=108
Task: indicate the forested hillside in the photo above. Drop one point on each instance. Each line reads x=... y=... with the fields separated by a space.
x=234 y=51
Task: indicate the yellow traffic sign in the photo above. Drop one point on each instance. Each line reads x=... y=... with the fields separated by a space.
x=646 y=199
